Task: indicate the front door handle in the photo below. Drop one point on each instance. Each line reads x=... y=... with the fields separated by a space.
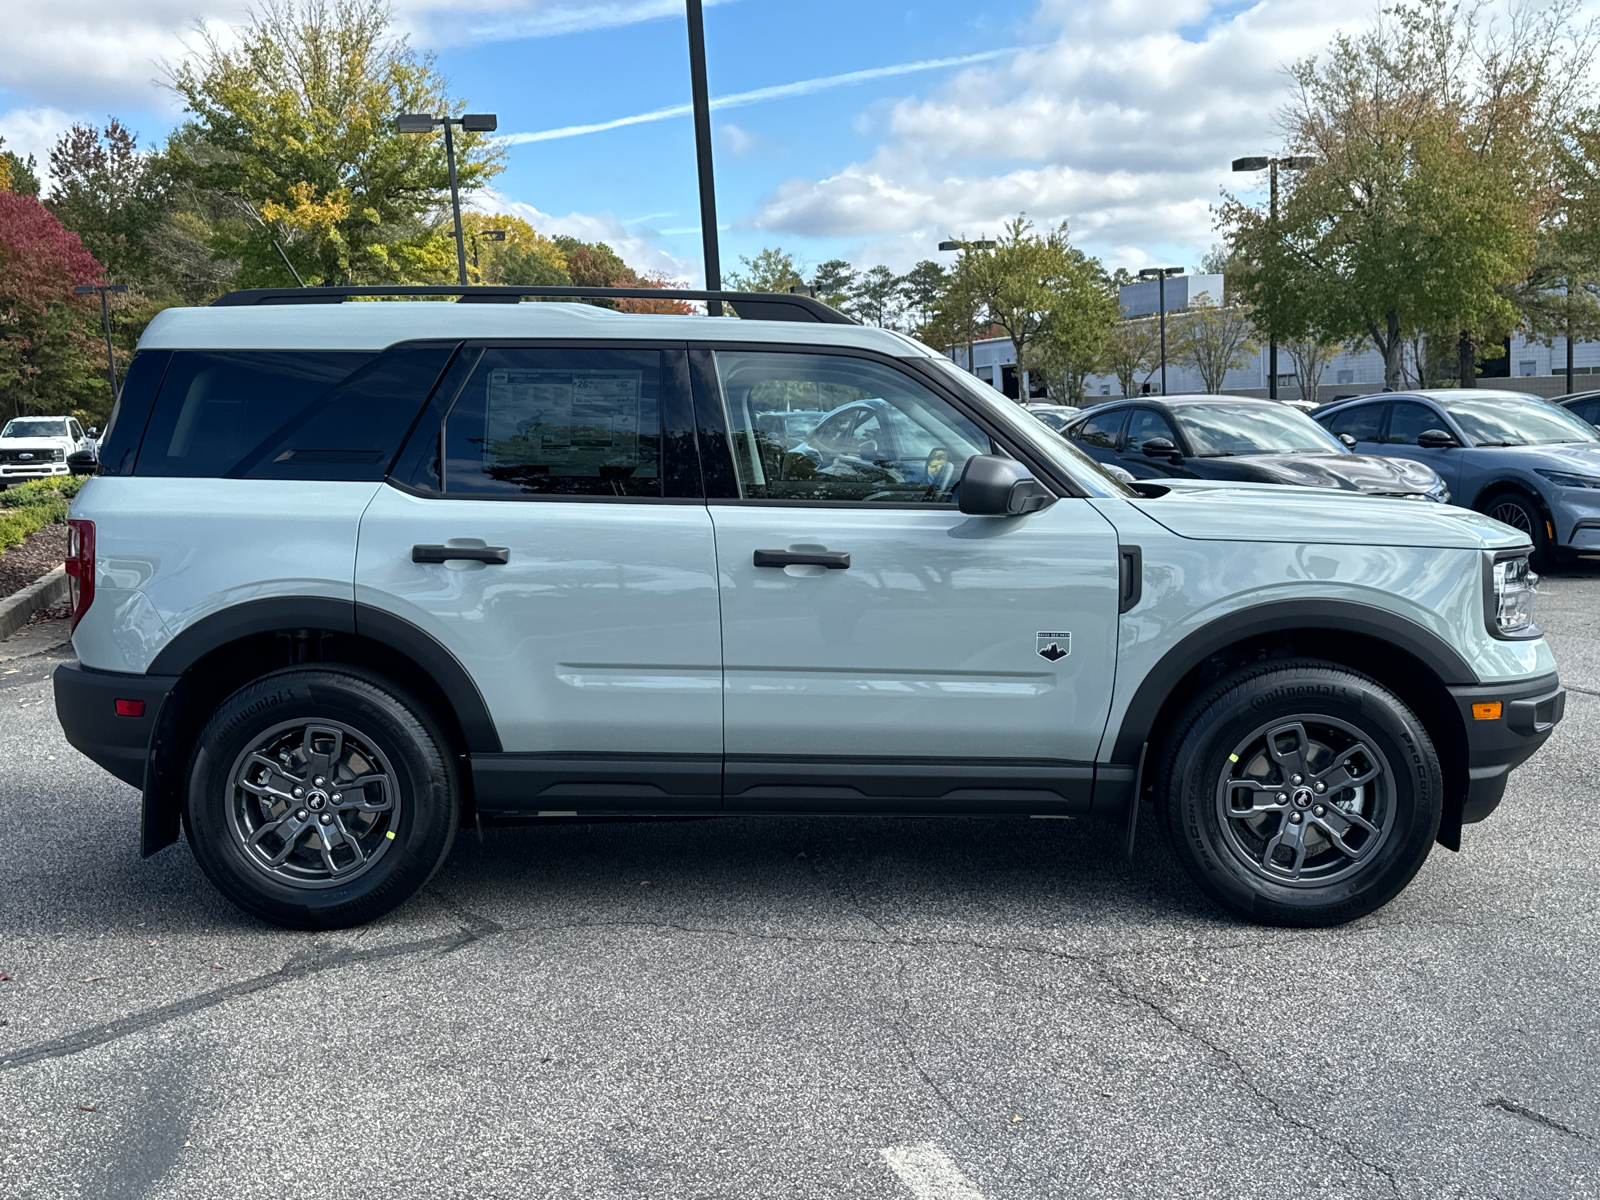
x=495 y=556
x=832 y=559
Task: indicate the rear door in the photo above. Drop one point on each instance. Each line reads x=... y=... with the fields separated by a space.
x=1362 y=422
x=546 y=525
x=882 y=650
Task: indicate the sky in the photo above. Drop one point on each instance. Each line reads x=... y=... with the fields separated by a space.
x=855 y=129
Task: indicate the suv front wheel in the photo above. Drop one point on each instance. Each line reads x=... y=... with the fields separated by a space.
x=321 y=797
x=1300 y=793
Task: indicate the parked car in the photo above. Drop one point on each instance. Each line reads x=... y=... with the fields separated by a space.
x=1585 y=405
x=1053 y=416
x=1519 y=458
x=349 y=584
x=1232 y=437
x=38 y=447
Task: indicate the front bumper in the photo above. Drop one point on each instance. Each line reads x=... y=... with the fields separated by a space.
x=33 y=471
x=86 y=706
x=1529 y=711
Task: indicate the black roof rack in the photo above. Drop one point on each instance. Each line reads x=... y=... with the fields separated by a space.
x=751 y=306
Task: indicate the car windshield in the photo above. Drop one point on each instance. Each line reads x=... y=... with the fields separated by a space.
x=1054 y=446
x=30 y=427
x=1511 y=421
x=1221 y=430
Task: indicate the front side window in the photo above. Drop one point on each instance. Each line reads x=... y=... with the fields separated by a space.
x=1144 y=425
x=1407 y=420
x=557 y=422
x=884 y=437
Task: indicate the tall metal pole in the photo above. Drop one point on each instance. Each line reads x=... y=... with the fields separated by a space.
x=455 y=202
x=702 y=146
x=1272 y=336
x=111 y=357
x=1568 y=339
x=1161 y=303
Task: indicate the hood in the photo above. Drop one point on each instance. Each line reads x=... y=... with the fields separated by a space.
x=35 y=443
x=1262 y=512
x=1347 y=472
x=1581 y=458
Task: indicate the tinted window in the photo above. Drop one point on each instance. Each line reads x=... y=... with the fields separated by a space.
x=1216 y=429
x=119 y=444
x=557 y=422
x=891 y=439
x=1360 y=422
x=1407 y=419
x=1588 y=410
x=1101 y=430
x=215 y=407
x=1144 y=424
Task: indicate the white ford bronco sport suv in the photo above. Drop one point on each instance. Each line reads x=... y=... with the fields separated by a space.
x=354 y=575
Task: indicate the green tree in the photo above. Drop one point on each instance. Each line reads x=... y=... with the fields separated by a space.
x=107 y=192
x=833 y=282
x=1310 y=354
x=1071 y=343
x=1212 y=338
x=1013 y=285
x=920 y=292
x=17 y=174
x=1132 y=352
x=523 y=258
x=875 y=297
x=772 y=270
x=295 y=119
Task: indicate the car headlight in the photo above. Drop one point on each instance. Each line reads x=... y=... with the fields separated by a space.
x=1568 y=479
x=1513 y=586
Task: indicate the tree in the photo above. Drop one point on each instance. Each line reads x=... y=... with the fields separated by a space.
x=105 y=191
x=17 y=174
x=833 y=282
x=1132 y=352
x=876 y=297
x=295 y=120
x=1011 y=285
x=595 y=264
x=1434 y=143
x=772 y=270
x=47 y=360
x=524 y=258
x=1310 y=355
x=1213 y=339
x=920 y=290
x=1071 y=342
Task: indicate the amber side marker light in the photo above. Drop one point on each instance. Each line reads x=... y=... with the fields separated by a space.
x=1486 y=712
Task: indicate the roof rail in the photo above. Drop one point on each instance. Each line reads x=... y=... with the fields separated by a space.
x=752 y=306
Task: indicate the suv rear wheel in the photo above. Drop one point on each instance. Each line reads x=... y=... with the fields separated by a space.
x=321 y=797
x=1300 y=793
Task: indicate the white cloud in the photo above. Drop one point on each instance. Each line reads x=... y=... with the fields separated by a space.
x=635 y=246
x=1119 y=126
x=33 y=131
x=739 y=142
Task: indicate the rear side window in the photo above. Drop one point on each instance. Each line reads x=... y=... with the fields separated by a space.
x=1361 y=422
x=1103 y=430
x=119 y=445
x=215 y=407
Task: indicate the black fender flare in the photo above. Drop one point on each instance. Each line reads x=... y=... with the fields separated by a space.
x=339 y=616
x=1321 y=615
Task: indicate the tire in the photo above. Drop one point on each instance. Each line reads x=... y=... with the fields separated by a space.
x=331 y=856
x=1310 y=858
x=1523 y=514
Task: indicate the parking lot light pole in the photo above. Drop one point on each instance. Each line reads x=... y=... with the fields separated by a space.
x=974 y=244
x=470 y=123
x=491 y=235
x=701 y=99
x=105 y=324
x=1161 y=275
x=1292 y=162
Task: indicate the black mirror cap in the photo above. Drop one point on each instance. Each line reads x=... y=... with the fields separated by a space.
x=1349 y=441
x=1435 y=439
x=1160 y=448
x=993 y=486
x=83 y=462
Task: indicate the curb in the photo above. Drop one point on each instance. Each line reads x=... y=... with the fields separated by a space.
x=15 y=610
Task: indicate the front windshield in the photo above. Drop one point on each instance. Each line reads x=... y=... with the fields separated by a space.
x=1514 y=422
x=40 y=427
x=1222 y=430
x=1029 y=430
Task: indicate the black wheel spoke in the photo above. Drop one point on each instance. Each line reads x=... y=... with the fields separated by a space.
x=1289 y=746
x=1291 y=836
x=1339 y=776
x=1251 y=797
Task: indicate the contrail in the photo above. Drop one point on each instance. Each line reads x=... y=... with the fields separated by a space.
x=739 y=99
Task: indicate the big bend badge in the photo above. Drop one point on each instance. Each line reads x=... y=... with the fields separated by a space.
x=1054 y=646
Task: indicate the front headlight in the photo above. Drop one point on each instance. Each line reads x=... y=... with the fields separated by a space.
x=1568 y=479
x=1513 y=588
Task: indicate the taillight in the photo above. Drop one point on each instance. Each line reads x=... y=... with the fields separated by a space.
x=80 y=567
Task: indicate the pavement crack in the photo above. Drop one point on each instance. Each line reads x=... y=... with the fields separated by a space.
x=1237 y=1068
x=298 y=967
x=1511 y=1108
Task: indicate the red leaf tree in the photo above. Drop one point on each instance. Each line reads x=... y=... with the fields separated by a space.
x=47 y=356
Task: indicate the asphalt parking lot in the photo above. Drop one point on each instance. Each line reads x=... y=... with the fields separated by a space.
x=797 y=1008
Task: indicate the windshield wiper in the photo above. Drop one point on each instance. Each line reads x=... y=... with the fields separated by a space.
x=1499 y=443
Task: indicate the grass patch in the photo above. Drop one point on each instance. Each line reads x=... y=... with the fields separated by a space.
x=29 y=507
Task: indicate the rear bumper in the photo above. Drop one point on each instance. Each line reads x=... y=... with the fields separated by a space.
x=86 y=706
x=1529 y=711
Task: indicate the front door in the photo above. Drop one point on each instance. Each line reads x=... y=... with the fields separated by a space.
x=882 y=651
x=551 y=535
x=1407 y=421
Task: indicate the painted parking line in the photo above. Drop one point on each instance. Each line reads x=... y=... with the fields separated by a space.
x=929 y=1173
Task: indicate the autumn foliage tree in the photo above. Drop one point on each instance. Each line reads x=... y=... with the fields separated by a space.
x=47 y=359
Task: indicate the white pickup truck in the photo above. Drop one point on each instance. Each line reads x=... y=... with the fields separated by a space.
x=36 y=447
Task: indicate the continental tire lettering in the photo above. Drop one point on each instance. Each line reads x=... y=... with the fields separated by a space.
x=1304 y=691
x=256 y=707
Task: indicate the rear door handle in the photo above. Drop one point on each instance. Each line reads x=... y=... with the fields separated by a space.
x=495 y=556
x=832 y=559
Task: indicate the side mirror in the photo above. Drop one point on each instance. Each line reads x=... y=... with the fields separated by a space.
x=1349 y=441
x=94 y=431
x=992 y=486
x=82 y=462
x=1436 y=439
x=1161 y=448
